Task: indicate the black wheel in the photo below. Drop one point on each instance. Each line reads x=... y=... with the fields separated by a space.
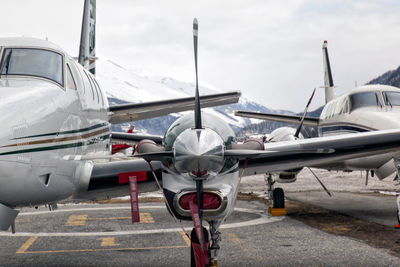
x=279 y=198
x=194 y=239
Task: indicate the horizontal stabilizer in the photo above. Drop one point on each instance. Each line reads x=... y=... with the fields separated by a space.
x=309 y=121
x=140 y=111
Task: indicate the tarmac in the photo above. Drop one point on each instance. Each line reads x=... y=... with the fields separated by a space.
x=371 y=207
x=103 y=235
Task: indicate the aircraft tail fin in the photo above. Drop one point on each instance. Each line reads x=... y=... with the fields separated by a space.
x=329 y=86
x=87 y=52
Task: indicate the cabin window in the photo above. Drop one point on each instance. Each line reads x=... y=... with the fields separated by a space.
x=345 y=108
x=392 y=98
x=33 y=62
x=70 y=79
x=88 y=84
x=367 y=99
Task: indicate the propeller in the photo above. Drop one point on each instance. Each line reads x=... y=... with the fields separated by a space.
x=304 y=115
x=197 y=123
x=197 y=111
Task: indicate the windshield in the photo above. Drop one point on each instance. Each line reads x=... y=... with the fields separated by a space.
x=33 y=62
x=363 y=100
x=392 y=98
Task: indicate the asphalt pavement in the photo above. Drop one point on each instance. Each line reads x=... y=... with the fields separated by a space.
x=103 y=235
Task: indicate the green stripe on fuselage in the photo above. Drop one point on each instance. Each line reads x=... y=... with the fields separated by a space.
x=48 y=148
x=65 y=132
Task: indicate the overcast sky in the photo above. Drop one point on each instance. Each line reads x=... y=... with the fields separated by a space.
x=270 y=50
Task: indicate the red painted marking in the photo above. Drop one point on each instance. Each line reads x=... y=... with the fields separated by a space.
x=133 y=190
x=201 y=255
x=123 y=178
x=118 y=147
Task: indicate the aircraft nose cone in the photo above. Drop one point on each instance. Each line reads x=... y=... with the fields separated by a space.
x=199 y=152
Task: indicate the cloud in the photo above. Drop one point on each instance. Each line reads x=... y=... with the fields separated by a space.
x=271 y=50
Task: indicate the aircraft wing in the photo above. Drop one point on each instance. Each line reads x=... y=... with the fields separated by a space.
x=132 y=138
x=309 y=121
x=317 y=152
x=139 y=111
x=110 y=179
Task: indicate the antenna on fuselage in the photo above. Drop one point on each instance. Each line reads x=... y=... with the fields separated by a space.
x=197 y=109
x=87 y=51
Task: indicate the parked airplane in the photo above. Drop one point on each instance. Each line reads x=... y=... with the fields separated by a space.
x=363 y=109
x=56 y=124
x=55 y=144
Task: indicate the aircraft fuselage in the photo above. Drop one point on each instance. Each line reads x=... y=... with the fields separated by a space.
x=44 y=119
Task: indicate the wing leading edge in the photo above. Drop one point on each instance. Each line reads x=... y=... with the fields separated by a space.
x=309 y=121
x=320 y=151
x=140 y=111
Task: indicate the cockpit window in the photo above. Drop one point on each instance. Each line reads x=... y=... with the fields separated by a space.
x=33 y=62
x=363 y=100
x=392 y=98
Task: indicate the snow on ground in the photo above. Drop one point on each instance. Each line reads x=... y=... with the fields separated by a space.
x=334 y=181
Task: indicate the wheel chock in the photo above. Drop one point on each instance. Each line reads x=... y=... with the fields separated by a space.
x=276 y=211
x=215 y=264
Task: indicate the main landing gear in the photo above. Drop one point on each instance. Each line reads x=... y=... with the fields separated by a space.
x=276 y=197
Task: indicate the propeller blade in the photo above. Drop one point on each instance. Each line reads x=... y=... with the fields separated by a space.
x=199 y=191
x=304 y=115
x=197 y=111
x=158 y=156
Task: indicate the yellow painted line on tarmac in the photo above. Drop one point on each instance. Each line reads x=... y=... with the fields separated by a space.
x=234 y=238
x=77 y=220
x=26 y=245
x=108 y=242
x=99 y=250
x=108 y=219
x=145 y=217
x=185 y=238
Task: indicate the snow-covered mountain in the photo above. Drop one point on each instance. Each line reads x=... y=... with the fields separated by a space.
x=124 y=86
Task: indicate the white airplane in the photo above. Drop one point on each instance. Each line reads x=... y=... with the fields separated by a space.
x=364 y=109
x=55 y=143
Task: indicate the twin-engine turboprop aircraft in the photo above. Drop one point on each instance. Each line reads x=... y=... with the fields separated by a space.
x=55 y=143
x=363 y=109
x=201 y=161
x=55 y=140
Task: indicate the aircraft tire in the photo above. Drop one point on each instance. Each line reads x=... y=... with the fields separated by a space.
x=193 y=239
x=279 y=198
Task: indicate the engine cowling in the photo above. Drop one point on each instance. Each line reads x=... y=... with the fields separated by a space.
x=288 y=176
x=280 y=135
x=283 y=134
